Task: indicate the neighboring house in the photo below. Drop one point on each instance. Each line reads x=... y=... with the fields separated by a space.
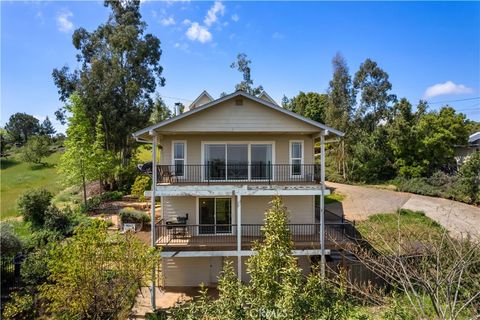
x=462 y=152
x=221 y=164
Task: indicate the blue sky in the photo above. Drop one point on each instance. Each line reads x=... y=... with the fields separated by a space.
x=430 y=50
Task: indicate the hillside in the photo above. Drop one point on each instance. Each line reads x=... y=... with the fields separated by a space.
x=17 y=177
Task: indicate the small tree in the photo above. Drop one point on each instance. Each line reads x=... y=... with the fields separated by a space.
x=46 y=128
x=33 y=204
x=35 y=149
x=78 y=163
x=277 y=289
x=98 y=273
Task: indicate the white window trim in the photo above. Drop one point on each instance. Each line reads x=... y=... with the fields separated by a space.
x=249 y=144
x=233 y=216
x=184 y=156
x=302 y=159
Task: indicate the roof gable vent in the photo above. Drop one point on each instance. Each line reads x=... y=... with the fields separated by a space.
x=239 y=101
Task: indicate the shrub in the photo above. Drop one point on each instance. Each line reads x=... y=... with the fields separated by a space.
x=33 y=204
x=140 y=185
x=95 y=201
x=37 y=148
x=10 y=243
x=34 y=270
x=417 y=185
x=99 y=272
x=22 y=306
x=131 y=215
x=61 y=221
x=41 y=238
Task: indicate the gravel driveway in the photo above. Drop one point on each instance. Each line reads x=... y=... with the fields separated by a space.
x=360 y=202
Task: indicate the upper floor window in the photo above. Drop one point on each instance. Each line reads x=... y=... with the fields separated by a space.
x=296 y=157
x=179 y=152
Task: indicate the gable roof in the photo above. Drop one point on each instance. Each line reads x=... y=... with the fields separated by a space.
x=230 y=96
x=195 y=102
x=264 y=95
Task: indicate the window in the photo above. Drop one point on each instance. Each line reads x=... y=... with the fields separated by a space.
x=296 y=158
x=179 y=158
x=215 y=215
x=237 y=161
x=261 y=161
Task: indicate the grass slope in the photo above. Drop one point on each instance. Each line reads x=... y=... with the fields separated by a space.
x=18 y=177
x=382 y=229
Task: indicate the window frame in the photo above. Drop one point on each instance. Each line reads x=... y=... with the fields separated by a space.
x=184 y=142
x=249 y=144
x=291 y=158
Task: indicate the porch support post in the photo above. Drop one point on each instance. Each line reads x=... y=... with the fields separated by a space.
x=152 y=220
x=239 y=237
x=322 y=204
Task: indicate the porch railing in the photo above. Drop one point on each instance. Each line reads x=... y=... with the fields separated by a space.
x=219 y=172
x=225 y=234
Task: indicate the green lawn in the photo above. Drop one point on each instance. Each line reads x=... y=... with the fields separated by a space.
x=17 y=177
x=144 y=153
x=382 y=229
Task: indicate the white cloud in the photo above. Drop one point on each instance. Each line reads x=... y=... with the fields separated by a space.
x=186 y=21
x=448 y=87
x=63 y=21
x=168 y=21
x=211 y=17
x=235 y=17
x=277 y=35
x=199 y=33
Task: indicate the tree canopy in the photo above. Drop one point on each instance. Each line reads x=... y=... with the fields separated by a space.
x=119 y=70
x=243 y=65
x=21 y=127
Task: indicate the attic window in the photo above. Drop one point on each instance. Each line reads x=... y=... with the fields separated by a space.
x=239 y=101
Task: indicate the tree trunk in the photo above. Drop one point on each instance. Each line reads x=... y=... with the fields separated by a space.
x=84 y=190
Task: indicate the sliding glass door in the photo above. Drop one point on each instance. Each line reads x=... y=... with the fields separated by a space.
x=261 y=159
x=215 y=214
x=237 y=161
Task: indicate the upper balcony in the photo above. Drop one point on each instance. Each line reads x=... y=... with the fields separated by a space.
x=238 y=173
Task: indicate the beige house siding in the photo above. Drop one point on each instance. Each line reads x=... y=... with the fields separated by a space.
x=179 y=206
x=301 y=208
x=229 y=117
x=194 y=145
x=191 y=272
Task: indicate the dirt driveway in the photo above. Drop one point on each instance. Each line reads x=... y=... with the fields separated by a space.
x=360 y=202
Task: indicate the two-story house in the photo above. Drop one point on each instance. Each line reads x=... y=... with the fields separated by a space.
x=222 y=162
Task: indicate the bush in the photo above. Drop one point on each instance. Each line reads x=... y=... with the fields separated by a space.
x=140 y=185
x=10 y=243
x=417 y=185
x=96 y=274
x=41 y=238
x=131 y=215
x=22 y=306
x=37 y=148
x=61 y=221
x=95 y=201
x=33 y=204
x=34 y=270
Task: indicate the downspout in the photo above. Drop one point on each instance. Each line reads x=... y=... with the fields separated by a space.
x=152 y=222
x=322 y=203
